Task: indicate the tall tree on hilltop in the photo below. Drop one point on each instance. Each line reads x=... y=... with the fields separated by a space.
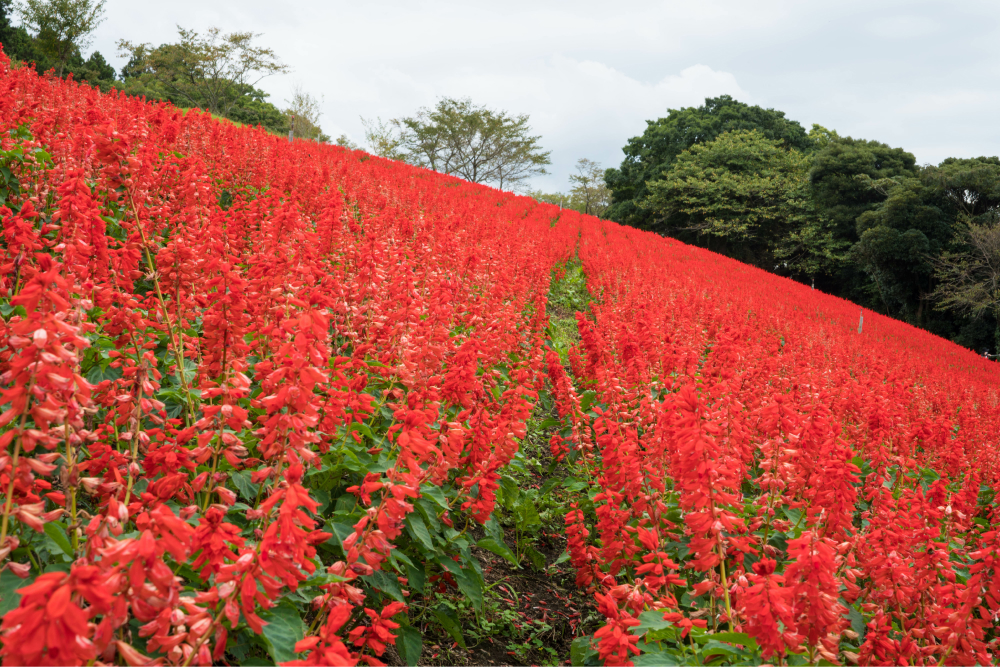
x=215 y=71
x=740 y=189
x=969 y=278
x=303 y=112
x=836 y=187
x=589 y=188
x=928 y=239
x=475 y=143
x=648 y=156
x=62 y=27
x=384 y=138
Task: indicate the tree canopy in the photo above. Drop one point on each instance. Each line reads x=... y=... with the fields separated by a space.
x=589 y=189
x=303 y=113
x=587 y=194
x=648 y=156
x=38 y=50
x=473 y=142
x=836 y=187
x=969 y=276
x=215 y=71
x=62 y=27
x=741 y=188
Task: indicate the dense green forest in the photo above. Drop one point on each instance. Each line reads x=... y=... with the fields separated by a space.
x=854 y=217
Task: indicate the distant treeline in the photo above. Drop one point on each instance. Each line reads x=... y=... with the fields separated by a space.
x=857 y=218
x=213 y=71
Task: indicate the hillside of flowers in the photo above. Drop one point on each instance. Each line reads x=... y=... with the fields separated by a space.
x=267 y=402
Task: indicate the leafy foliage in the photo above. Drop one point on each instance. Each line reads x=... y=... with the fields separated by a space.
x=473 y=142
x=741 y=188
x=217 y=72
x=648 y=156
x=62 y=28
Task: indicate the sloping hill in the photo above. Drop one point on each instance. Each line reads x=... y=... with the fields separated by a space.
x=265 y=400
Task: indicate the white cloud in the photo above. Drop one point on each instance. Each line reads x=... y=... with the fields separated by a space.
x=902 y=27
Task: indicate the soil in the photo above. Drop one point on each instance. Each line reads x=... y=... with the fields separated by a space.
x=550 y=596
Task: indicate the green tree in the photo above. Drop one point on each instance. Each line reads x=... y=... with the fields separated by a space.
x=303 y=113
x=61 y=27
x=95 y=70
x=969 y=277
x=560 y=199
x=345 y=141
x=384 y=138
x=20 y=46
x=216 y=72
x=822 y=137
x=839 y=195
x=475 y=143
x=23 y=48
x=589 y=188
x=896 y=241
x=942 y=212
x=810 y=249
x=648 y=156
x=970 y=186
x=252 y=108
x=741 y=189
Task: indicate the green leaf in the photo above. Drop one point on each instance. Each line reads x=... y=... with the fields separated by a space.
x=713 y=646
x=650 y=620
x=417 y=577
x=283 y=630
x=661 y=659
x=340 y=532
x=9 y=585
x=409 y=643
x=510 y=491
x=57 y=531
x=857 y=622
x=526 y=514
x=580 y=650
x=741 y=638
x=587 y=399
x=563 y=557
x=494 y=529
x=498 y=548
x=397 y=555
x=435 y=493
x=418 y=529
x=322 y=578
x=346 y=503
x=448 y=619
x=243 y=484
x=548 y=486
x=387 y=583
x=792 y=514
x=429 y=512
x=467 y=584
x=537 y=559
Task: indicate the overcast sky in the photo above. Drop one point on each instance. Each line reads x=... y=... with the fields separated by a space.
x=921 y=75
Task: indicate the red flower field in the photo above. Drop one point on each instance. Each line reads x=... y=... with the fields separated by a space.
x=256 y=396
